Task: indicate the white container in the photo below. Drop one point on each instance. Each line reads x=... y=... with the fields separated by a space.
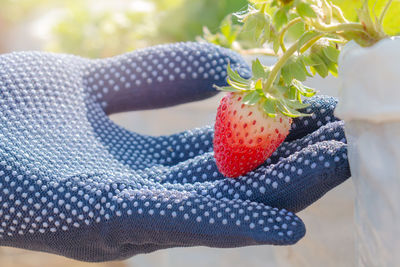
x=369 y=102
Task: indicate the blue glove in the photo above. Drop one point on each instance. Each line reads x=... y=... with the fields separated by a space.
x=75 y=184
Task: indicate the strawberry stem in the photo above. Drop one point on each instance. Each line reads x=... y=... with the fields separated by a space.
x=310 y=43
x=284 y=30
x=282 y=60
x=338 y=28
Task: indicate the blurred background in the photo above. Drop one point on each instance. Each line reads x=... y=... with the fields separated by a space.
x=104 y=28
x=101 y=28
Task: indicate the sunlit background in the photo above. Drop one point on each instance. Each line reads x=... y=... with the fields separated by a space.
x=104 y=28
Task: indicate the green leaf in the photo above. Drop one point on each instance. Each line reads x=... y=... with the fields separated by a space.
x=266 y=34
x=260 y=91
x=234 y=75
x=332 y=67
x=297 y=71
x=290 y=112
x=299 y=98
x=295 y=104
x=239 y=86
x=294 y=69
x=313 y=70
x=269 y=107
x=303 y=65
x=305 y=10
x=286 y=74
x=316 y=59
x=308 y=61
x=332 y=53
x=303 y=90
x=322 y=70
x=258 y=69
x=292 y=92
x=280 y=18
x=283 y=89
x=258 y=85
x=255 y=24
x=251 y=98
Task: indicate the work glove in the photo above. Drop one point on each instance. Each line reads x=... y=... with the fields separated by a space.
x=74 y=183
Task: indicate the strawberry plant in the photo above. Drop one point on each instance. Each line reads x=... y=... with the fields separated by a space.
x=255 y=116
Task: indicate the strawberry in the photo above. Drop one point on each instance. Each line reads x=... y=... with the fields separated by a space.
x=245 y=136
x=255 y=116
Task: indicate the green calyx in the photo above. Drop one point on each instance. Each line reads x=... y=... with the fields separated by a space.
x=279 y=88
x=279 y=98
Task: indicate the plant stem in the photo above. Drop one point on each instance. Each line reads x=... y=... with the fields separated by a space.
x=338 y=28
x=284 y=30
x=281 y=62
x=382 y=16
x=310 y=43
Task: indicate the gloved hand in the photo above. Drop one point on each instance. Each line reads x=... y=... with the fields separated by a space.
x=74 y=183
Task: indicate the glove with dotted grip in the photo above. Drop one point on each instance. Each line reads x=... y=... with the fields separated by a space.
x=74 y=183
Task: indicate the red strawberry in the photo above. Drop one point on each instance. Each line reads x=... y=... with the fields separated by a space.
x=245 y=136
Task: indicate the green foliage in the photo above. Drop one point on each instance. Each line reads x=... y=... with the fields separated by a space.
x=186 y=21
x=104 y=33
x=304 y=10
x=280 y=18
x=350 y=7
x=392 y=19
x=228 y=33
x=258 y=70
x=316 y=51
